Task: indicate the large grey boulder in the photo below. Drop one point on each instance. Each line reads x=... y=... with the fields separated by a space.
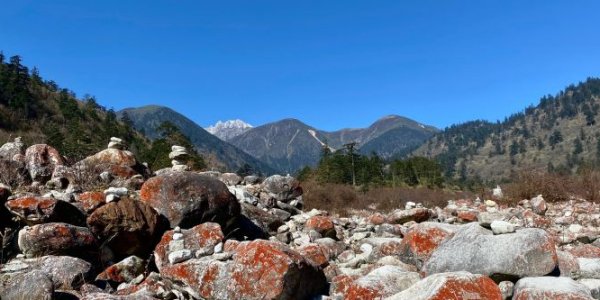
x=534 y=288
x=527 y=252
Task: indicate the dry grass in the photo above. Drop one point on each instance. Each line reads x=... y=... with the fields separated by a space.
x=339 y=198
x=555 y=187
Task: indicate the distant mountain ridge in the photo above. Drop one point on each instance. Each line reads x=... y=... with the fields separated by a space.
x=147 y=119
x=290 y=144
x=228 y=129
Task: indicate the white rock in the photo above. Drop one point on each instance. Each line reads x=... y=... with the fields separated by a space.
x=575 y=228
x=410 y=205
x=501 y=227
x=218 y=248
x=121 y=191
x=506 y=288
x=497 y=192
x=180 y=256
x=366 y=249
x=589 y=267
x=111 y=198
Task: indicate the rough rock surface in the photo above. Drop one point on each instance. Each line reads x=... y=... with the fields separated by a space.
x=534 y=288
x=187 y=199
x=41 y=160
x=38 y=210
x=127 y=227
x=56 y=239
x=35 y=285
x=452 y=286
x=527 y=252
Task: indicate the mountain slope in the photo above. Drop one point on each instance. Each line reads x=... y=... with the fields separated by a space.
x=228 y=129
x=289 y=144
x=559 y=133
x=148 y=118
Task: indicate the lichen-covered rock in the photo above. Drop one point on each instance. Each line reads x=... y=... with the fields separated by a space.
x=422 y=239
x=323 y=225
x=380 y=283
x=230 y=178
x=535 y=288
x=119 y=163
x=452 y=286
x=527 y=252
x=90 y=201
x=123 y=271
x=204 y=278
x=10 y=149
x=34 y=285
x=37 y=210
x=41 y=160
x=271 y=270
x=66 y=272
x=585 y=251
x=198 y=238
x=128 y=227
x=57 y=239
x=568 y=264
x=187 y=199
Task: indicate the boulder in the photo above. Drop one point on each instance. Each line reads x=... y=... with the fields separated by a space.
x=67 y=273
x=57 y=239
x=534 y=288
x=323 y=225
x=34 y=285
x=527 y=252
x=230 y=178
x=381 y=283
x=585 y=251
x=187 y=199
x=412 y=215
x=37 y=210
x=116 y=162
x=90 y=201
x=502 y=227
x=128 y=227
x=41 y=160
x=124 y=271
x=271 y=270
x=204 y=237
x=282 y=188
x=451 y=286
x=538 y=205
x=203 y=278
x=422 y=240
x=589 y=267
x=568 y=264
x=10 y=149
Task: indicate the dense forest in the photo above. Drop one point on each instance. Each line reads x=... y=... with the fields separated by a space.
x=557 y=135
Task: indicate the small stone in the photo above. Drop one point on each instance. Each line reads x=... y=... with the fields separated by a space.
x=120 y=192
x=501 y=227
x=218 y=248
x=179 y=256
x=506 y=288
x=111 y=198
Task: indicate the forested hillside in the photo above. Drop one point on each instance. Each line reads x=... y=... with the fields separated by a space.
x=559 y=134
x=42 y=112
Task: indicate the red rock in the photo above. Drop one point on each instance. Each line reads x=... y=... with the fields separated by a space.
x=567 y=264
x=341 y=283
x=90 y=201
x=37 y=210
x=323 y=225
x=57 y=239
x=270 y=270
x=123 y=271
x=195 y=238
x=41 y=160
x=119 y=163
x=128 y=227
x=317 y=255
x=187 y=199
x=404 y=216
x=466 y=216
x=207 y=279
x=381 y=283
x=452 y=286
x=422 y=239
x=231 y=245
x=585 y=251
x=376 y=219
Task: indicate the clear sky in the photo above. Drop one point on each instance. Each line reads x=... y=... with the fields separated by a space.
x=332 y=64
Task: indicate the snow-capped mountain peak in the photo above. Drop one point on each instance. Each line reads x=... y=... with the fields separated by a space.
x=228 y=129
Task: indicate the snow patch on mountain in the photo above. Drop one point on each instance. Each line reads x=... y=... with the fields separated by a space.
x=229 y=129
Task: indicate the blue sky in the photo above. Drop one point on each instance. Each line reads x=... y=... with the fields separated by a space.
x=332 y=64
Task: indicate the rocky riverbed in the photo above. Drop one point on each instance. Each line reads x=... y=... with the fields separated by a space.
x=107 y=227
